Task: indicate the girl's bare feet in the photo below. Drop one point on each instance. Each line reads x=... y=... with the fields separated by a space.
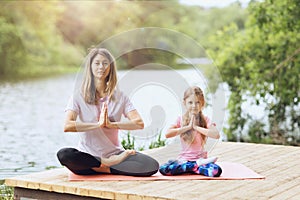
x=204 y=161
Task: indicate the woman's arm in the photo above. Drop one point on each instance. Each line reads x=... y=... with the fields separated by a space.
x=72 y=126
x=211 y=131
x=135 y=122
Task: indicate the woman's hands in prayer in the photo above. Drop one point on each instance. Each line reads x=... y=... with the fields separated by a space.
x=103 y=119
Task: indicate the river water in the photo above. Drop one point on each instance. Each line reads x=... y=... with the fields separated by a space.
x=31 y=124
x=32 y=114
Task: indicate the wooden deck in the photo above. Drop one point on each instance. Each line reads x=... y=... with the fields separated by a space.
x=280 y=165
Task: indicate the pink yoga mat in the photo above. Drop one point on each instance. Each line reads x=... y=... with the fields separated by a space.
x=231 y=171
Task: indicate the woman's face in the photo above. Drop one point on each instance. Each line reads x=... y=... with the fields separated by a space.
x=193 y=105
x=100 y=66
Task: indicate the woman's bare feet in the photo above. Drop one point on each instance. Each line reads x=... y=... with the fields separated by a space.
x=116 y=159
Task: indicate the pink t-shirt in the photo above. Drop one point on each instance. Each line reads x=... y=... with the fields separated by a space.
x=102 y=142
x=193 y=151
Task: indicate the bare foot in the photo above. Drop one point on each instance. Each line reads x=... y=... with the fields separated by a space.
x=129 y=152
x=204 y=161
x=103 y=169
x=116 y=159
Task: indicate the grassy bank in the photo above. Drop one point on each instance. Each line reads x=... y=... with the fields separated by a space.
x=6 y=193
x=37 y=72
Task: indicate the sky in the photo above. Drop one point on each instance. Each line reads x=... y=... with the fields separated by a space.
x=213 y=3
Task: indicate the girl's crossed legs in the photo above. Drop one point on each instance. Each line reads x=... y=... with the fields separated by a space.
x=174 y=167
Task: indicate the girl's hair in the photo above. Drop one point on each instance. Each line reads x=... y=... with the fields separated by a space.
x=88 y=86
x=199 y=120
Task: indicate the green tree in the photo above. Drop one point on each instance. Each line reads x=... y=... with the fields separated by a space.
x=101 y=20
x=262 y=62
x=29 y=40
x=12 y=51
x=39 y=35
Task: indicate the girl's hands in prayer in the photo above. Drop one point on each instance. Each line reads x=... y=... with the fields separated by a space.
x=192 y=122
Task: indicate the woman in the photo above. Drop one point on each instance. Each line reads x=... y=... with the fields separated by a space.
x=99 y=107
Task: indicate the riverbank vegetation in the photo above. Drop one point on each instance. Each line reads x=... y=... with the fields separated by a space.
x=46 y=37
x=256 y=50
x=262 y=63
x=6 y=192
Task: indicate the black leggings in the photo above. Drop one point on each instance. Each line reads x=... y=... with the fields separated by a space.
x=82 y=163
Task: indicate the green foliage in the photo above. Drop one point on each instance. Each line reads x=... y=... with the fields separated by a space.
x=257 y=134
x=29 y=42
x=262 y=62
x=158 y=143
x=128 y=143
x=50 y=167
x=12 y=51
x=194 y=21
x=6 y=192
x=39 y=36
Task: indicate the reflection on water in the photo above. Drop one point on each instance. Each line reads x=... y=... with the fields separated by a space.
x=32 y=115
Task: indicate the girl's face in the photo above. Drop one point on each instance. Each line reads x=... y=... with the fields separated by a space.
x=193 y=104
x=100 y=67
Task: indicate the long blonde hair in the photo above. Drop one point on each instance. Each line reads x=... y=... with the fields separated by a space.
x=188 y=136
x=88 y=86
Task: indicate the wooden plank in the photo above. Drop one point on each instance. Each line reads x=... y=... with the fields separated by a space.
x=20 y=193
x=268 y=160
x=289 y=193
x=171 y=190
x=249 y=190
x=224 y=190
x=295 y=196
x=198 y=190
x=285 y=191
x=154 y=189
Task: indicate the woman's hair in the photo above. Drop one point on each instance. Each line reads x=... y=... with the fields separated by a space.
x=88 y=86
x=199 y=120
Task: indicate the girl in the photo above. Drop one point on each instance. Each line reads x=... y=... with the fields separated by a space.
x=96 y=111
x=193 y=129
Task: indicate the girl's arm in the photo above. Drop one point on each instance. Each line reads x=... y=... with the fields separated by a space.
x=173 y=130
x=211 y=131
x=72 y=126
